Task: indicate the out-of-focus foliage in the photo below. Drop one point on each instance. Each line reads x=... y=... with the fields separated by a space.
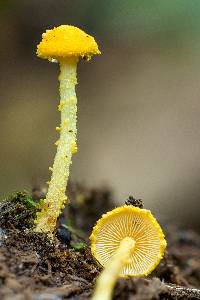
x=121 y=18
x=6 y=4
x=140 y=17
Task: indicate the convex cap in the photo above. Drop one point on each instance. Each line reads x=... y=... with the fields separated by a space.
x=138 y=224
x=66 y=41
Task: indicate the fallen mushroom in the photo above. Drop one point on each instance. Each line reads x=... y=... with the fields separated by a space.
x=127 y=241
x=64 y=44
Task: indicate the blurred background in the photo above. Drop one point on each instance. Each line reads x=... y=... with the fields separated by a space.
x=138 y=103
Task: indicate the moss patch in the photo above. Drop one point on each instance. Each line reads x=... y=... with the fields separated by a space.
x=17 y=211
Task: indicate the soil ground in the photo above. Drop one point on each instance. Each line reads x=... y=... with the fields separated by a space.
x=34 y=268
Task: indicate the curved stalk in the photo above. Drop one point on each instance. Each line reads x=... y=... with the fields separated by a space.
x=107 y=279
x=56 y=198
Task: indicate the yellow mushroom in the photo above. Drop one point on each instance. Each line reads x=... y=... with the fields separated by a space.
x=127 y=241
x=64 y=44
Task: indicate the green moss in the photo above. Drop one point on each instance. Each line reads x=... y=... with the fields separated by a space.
x=17 y=210
x=79 y=246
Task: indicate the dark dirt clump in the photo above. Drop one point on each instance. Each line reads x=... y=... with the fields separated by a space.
x=87 y=206
x=135 y=202
x=29 y=261
x=34 y=268
x=17 y=211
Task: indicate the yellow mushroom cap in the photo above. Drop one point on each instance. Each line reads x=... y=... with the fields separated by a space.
x=136 y=223
x=66 y=41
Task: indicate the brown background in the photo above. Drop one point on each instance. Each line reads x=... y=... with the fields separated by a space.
x=139 y=108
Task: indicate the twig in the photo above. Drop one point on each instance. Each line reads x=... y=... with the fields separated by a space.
x=180 y=291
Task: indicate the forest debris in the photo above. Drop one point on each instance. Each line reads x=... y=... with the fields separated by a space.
x=32 y=268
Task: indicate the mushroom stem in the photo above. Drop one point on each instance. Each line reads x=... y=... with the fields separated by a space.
x=56 y=198
x=106 y=280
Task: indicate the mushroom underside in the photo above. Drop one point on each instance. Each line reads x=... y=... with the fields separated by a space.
x=137 y=224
